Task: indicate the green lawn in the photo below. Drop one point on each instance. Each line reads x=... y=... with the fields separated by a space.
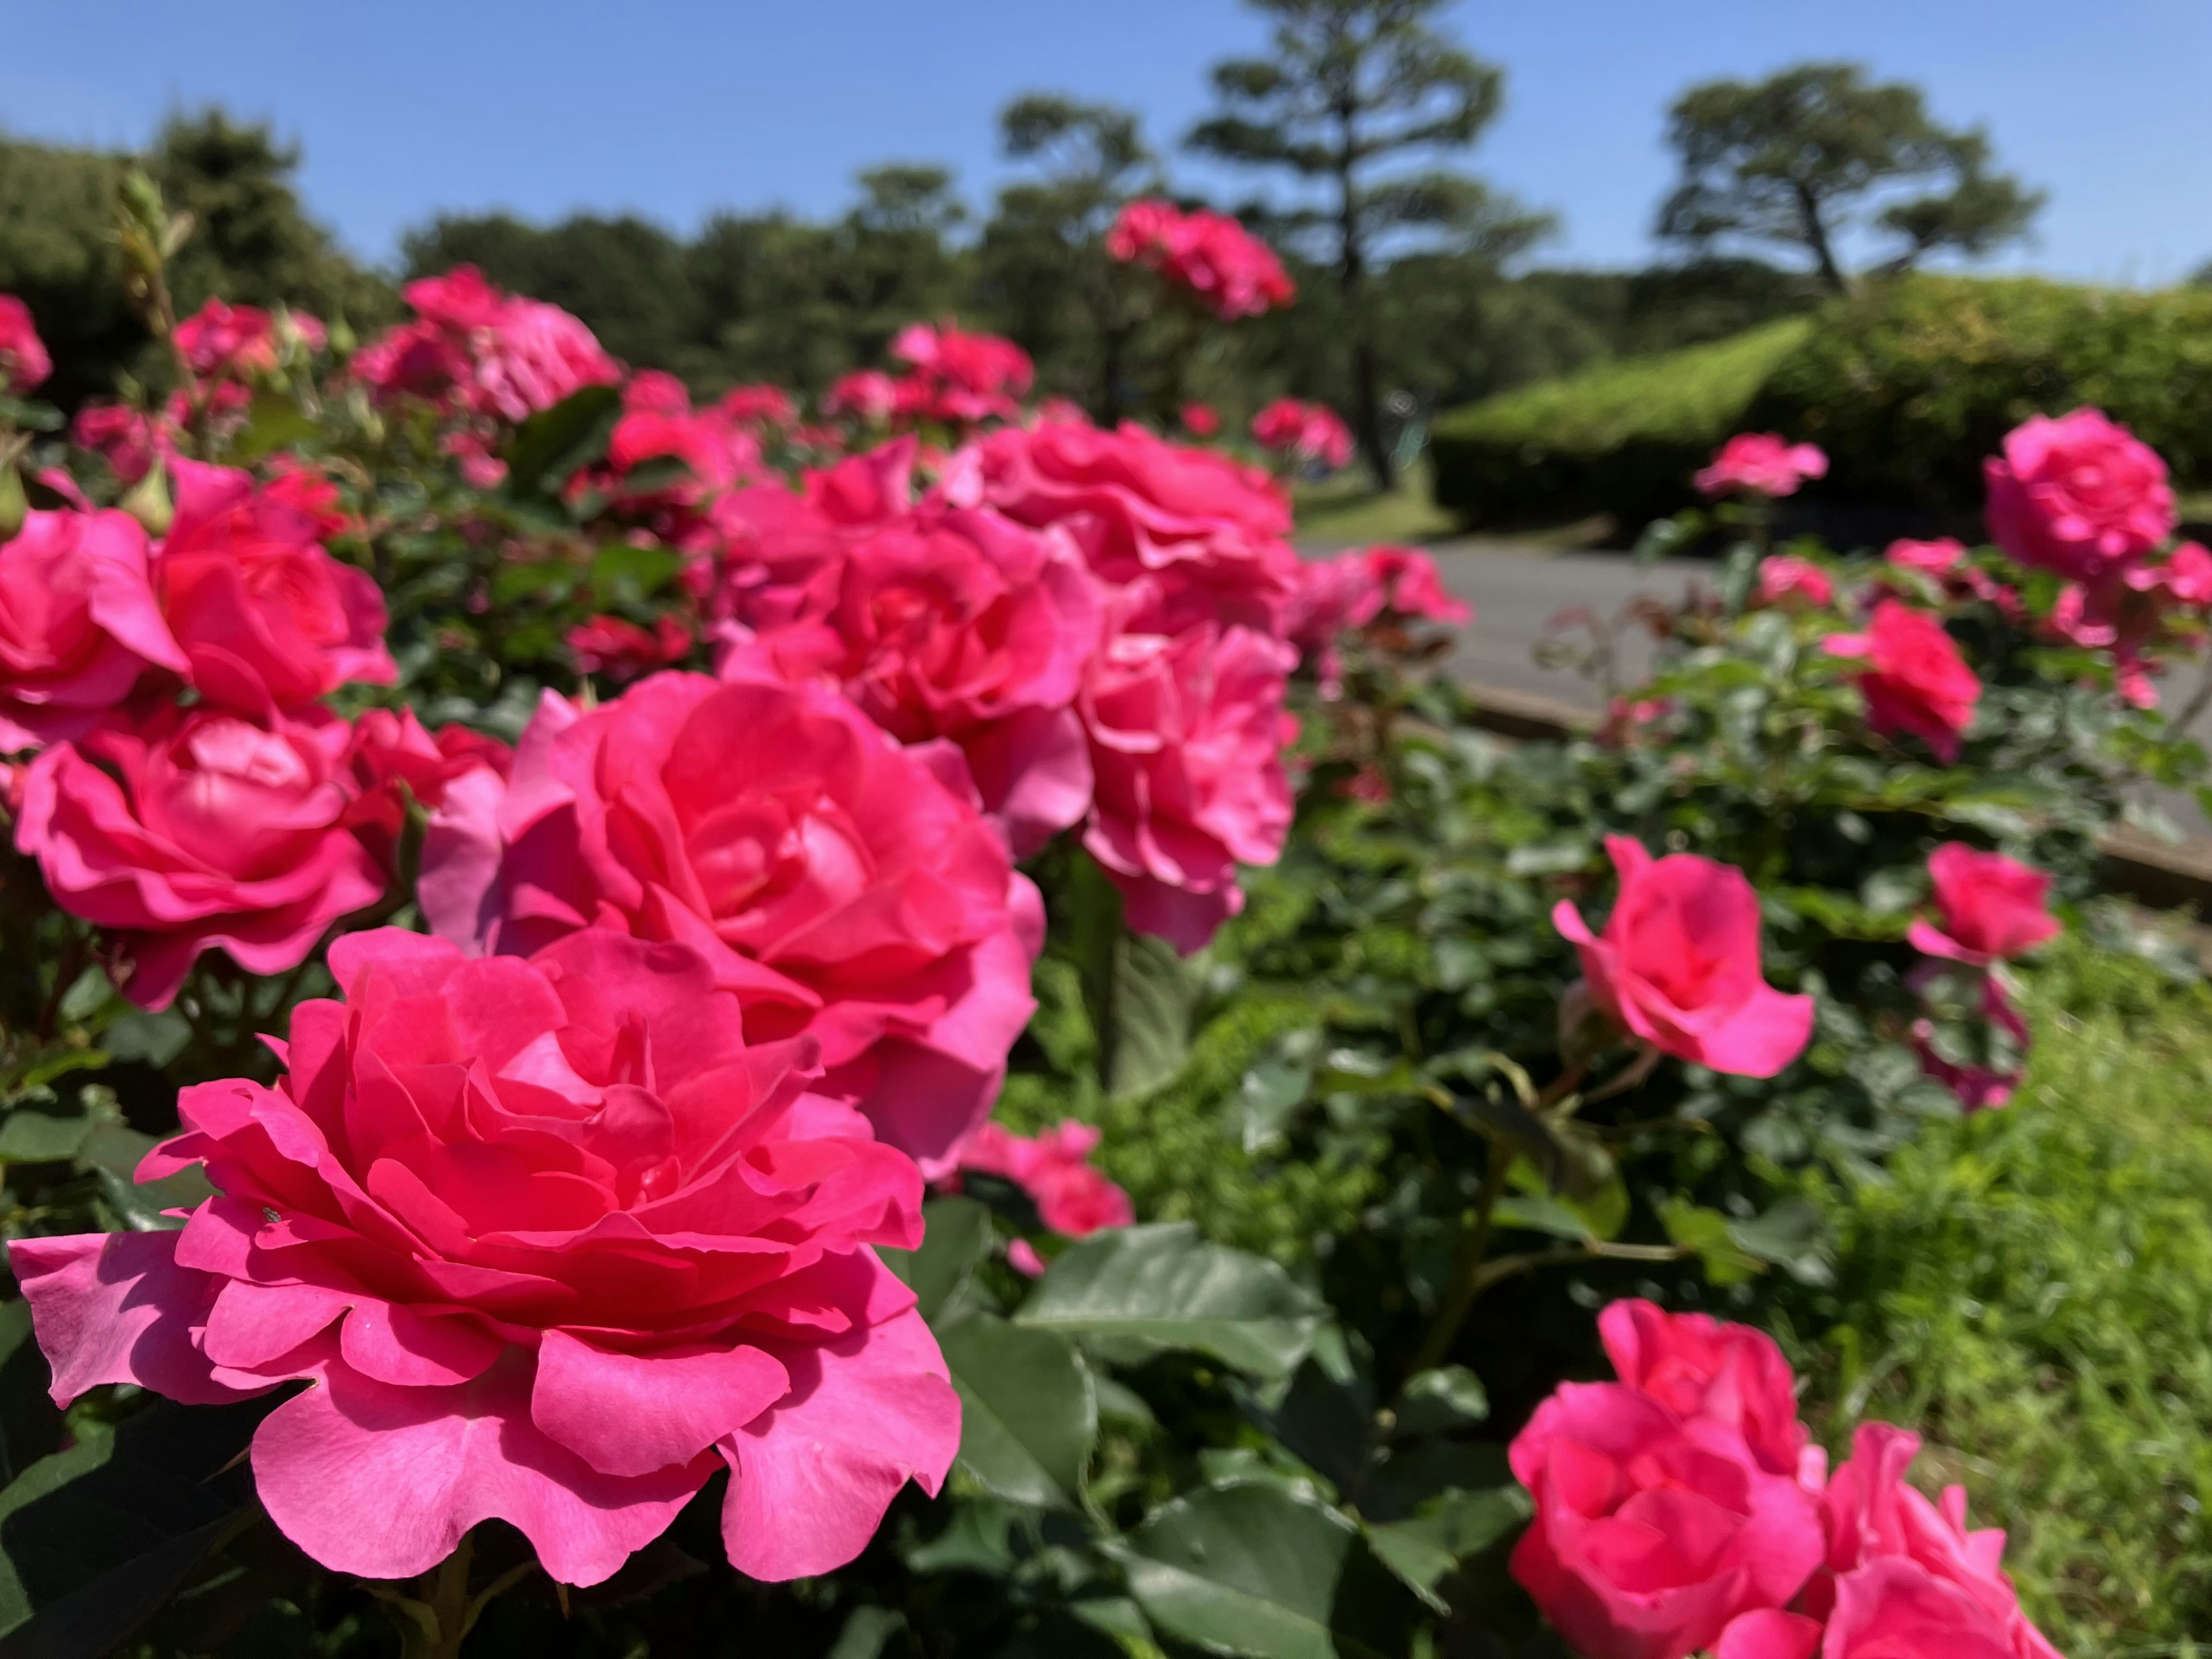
x=1348 y=509
x=2032 y=1289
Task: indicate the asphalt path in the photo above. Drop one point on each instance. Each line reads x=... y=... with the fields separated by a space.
x=1520 y=591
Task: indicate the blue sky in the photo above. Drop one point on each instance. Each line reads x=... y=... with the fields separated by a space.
x=676 y=108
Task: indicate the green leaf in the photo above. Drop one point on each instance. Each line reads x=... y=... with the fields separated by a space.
x=1134 y=1291
x=620 y=571
x=553 y=443
x=1792 y=1236
x=1709 y=1235
x=1249 y=1568
x=1441 y=1401
x=1027 y=1415
x=274 y=421
x=979 y=1539
x=956 y=1236
x=95 y=1538
x=33 y=1137
x=1063 y=1636
x=1422 y=1550
x=1275 y=1086
x=1155 y=995
x=865 y=1632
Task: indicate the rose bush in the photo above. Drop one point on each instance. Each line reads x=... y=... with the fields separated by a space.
x=1284 y=1116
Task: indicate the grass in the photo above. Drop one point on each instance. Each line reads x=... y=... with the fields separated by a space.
x=2032 y=1289
x=1347 y=509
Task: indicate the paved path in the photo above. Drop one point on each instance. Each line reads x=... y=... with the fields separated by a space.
x=1518 y=588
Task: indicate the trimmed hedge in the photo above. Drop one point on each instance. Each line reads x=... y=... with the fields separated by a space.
x=1907 y=387
x=1620 y=439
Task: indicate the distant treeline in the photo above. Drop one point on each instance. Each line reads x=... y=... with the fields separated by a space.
x=772 y=296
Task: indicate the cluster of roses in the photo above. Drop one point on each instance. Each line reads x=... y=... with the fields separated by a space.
x=1681 y=1509
x=1677 y=968
x=572 y=1203
x=952 y=379
x=1207 y=255
x=2079 y=497
x=1303 y=434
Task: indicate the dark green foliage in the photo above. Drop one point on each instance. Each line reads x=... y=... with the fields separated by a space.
x=1814 y=152
x=1907 y=387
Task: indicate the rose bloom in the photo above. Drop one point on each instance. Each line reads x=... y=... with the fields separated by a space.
x=622 y=650
x=1914 y=680
x=1209 y=255
x=199 y=831
x=658 y=423
x=1895 y=1559
x=758 y=405
x=1211 y=532
x=1305 y=432
x=866 y=394
x=2079 y=496
x=394 y=760
x=120 y=434
x=1053 y=1167
x=79 y=625
x=841 y=885
x=1655 y=1532
x=1944 y=562
x=552 y=1244
x=1992 y=907
x=942 y=620
x=1410 y=586
x=1760 y=463
x=1186 y=739
x=223 y=340
x=1782 y=577
x=497 y=355
x=1678 y=963
x=24 y=364
x=1200 y=421
x=264 y=613
x=1698 y=1366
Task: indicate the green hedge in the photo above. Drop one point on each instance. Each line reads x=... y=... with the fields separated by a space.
x=1620 y=439
x=1907 y=387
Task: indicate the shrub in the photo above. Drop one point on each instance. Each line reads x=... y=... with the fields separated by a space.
x=1621 y=438
x=1906 y=386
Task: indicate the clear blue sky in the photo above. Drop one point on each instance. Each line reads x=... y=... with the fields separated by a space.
x=405 y=107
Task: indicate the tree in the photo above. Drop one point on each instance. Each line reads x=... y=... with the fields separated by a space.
x=1044 y=269
x=1355 y=86
x=1807 y=157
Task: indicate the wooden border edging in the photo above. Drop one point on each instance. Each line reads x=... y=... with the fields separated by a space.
x=2164 y=874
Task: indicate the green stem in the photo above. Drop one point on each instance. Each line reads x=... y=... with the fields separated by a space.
x=1466 y=1264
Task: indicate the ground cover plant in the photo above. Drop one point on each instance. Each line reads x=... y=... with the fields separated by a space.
x=579 y=970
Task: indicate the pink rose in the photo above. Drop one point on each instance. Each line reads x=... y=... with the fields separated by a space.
x=961 y=378
x=394 y=760
x=553 y=1243
x=1054 y=1169
x=2078 y=495
x=262 y=611
x=758 y=405
x=1655 y=1532
x=24 y=364
x=1212 y=534
x=1698 y=1366
x=1209 y=255
x=1914 y=680
x=1894 y=1556
x=1782 y=577
x=1187 y=736
x=1937 y=558
x=622 y=650
x=866 y=394
x=1978 y=1086
x=1760 y=463
x=1993 y=908
x=660 y=424
x=1410 y=587
x=841 y=885
x=199 y=831
x=1678 y=963
x=1303 y=432
x=120 y=434
x=1944 y=562
x=947 y=621
x=1200 y=421
x=78 y=624
x=495 y=355
x=219 y=341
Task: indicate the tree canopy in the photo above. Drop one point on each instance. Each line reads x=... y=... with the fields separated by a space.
x=1805 y=158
